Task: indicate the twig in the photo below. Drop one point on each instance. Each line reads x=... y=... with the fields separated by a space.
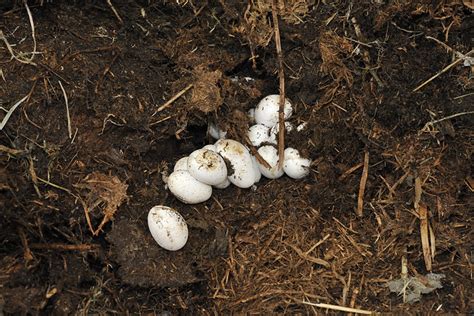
x=30 y=17
x=160 y=120
x=106 y=70
x=117 y=15
x=12 y=53
x=424 y=232
x=27 y=255
x=444 y=119
x=174 y=98
x=12 y=151
x=451 y=65
x=307 y=257
x=339 y=308
x=55 y=185
x=69 y=129
x=34 y=177
x=256 y=154
x=457 y=53
x=463 y=96
x=363 y=181
x=55 y=246
x=281 y=76
x=365 y=53
x=10 y=112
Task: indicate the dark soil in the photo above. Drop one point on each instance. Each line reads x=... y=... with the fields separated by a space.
x=262 y=250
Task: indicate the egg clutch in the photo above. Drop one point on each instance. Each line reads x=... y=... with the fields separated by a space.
x=224 y=163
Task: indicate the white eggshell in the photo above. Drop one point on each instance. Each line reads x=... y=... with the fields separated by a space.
x=210 y=147
x=222 y=185
x=295 y=166
x=270 y=154
x=256 y=170
x=288 y=127
x=207 y=166
x=291 y=153
x=187 y=189
x=168 y=227
x=215 y=131
x=258 y=134
x=181 y=164
x=301 y=127
x=241 y=172
x=266 y=112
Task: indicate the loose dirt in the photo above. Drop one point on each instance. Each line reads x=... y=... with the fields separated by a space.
x=78 y=178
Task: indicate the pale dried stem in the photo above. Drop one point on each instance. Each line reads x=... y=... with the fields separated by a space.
x=281 y=76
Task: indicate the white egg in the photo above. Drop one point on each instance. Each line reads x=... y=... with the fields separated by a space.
x=266 y=112
x=240 y=171
x=270 y=154
x=291 y=153
x=288 y=127
x=258 y=134
x=301 y=127
x=187 y=189
x=295 y=166
x=210 y=147
x=181 y=164
x=215 y=131
x=207 y=166
x=223 y=184
x=256 y=170
x=168 y=227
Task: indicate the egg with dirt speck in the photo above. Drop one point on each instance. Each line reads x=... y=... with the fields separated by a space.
x=270 y=155
x=266 y=112
x=207 y=166
x=168 y=227
x=239 y=161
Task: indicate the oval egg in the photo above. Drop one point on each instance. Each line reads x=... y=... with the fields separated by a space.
x=266 y=112
x=181 y=164
x=240 y=169
x=207 y=166
x=270 y=154
x=187 y=189
x=258 y=134
x=168 y=227
x=295 y=166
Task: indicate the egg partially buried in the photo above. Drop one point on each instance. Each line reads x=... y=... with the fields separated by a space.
x=266 y=112
x=270 y=154
x=187 y=189
x=207 y=166
x=168 y=227
x=181 y=164
x=240 y=168
x=259 y=134
x=295 y=166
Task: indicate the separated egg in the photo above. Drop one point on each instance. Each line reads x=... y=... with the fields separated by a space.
x=168 y=227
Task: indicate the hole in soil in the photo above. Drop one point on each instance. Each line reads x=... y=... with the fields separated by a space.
x=245 y=68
